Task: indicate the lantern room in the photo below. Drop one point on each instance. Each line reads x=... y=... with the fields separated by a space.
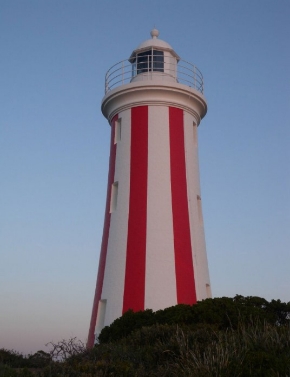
x=156 y=58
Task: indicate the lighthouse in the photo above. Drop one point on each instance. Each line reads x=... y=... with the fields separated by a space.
x=153 y=253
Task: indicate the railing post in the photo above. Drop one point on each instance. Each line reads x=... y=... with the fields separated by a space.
x=122 y=71
x=148 y=62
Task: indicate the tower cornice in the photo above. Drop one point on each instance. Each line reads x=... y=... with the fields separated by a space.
x=157 y=93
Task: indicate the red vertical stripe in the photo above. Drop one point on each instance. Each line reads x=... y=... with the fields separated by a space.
x=134 y=290
x=104 y=247
x=185 y=284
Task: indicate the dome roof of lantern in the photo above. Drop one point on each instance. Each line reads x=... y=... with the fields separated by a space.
x=155 y=43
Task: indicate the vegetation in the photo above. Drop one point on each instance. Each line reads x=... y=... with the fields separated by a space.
x=221 y=313
x=241 y=336
x=13 y=364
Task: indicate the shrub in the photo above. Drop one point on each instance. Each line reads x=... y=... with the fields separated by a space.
x=225 y=337
x=220 y=313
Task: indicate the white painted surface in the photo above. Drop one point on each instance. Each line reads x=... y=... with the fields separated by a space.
x=113 y=288
x=154 y=92
x=160 y=284
x=155 y=43
x=201 y=272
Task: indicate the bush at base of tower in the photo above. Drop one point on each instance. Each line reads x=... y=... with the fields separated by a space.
x=174 y=351
x=241 y=336
x=220 y=313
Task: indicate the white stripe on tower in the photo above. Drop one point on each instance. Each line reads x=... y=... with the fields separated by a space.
x=194 y=203
x=117 y=244
x=160 y=282
x=190 y=144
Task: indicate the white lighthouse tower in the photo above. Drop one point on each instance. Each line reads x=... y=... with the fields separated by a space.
x=153 y=249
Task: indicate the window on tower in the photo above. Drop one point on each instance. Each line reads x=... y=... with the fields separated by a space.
x=208 y=290
x=194 y=134
x=114 y=196
x=158 y=61
x=151 y=60
x=199 y=211
x=101 y=317
x=117 y=136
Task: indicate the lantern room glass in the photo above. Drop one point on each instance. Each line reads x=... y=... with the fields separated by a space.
x=148 y=61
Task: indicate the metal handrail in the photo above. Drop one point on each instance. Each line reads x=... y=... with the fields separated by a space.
x=124 y=72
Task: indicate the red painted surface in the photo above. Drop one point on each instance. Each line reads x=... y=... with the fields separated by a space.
x=134 y=290
x=185 y=285
x=104 y=247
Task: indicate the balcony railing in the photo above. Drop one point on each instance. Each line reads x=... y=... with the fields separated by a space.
x=124 y=72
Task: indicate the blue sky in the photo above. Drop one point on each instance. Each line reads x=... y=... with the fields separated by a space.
x=54 y=149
